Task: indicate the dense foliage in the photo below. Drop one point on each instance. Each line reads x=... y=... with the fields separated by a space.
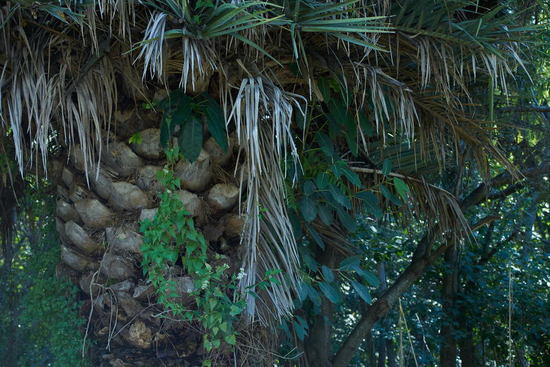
x=393 y=161
x=41 y=320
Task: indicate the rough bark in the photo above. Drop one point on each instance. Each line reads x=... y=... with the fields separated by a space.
x=99 y=229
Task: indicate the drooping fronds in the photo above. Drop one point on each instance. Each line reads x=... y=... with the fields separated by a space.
x=262 y=114
x=37 y=93
x=153 y=46
x=431 y=201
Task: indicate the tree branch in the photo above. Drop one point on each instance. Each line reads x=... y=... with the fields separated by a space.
x=529 y=108
x=386 y=301
x=481 y=193
x=422 y=258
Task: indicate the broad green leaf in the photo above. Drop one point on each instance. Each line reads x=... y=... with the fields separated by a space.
x=350 y=175
x=216 y=123
x=362 y=291
x=300 y=331
x=316 y=237
x=308 y=208
x=339 y=196
x=310 y=262
x=371 y=278
x=389 y=195
x=349 y=262
x=309 y=187
x=372 y=204
x=330 y=292
x=386 y=167
x=302 y=291
x=327 y=274
x=313 y=295
x=401 y=187
x=326 y=215
x=190 y=139
x=325 y=143
x=322 y=181
x=347 y=221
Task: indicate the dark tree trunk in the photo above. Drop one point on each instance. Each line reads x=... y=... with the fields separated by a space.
x=382 y=341
x=448 y=349
x=467 y=350
x=317 y=346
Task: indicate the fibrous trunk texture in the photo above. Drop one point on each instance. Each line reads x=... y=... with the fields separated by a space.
x=98 y=221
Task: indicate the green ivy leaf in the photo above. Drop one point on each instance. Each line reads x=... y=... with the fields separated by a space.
x=230 y=339
x=190 y=139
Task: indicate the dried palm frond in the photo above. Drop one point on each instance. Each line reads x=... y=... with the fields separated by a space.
x=262 y=114
x=198 y=61
x=120 y=11
x=153 y=46
x=80 y=98
x=432 y=202
x=385 y=90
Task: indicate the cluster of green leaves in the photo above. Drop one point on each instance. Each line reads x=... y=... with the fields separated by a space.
x=40 y=320
x=171 y=234
x=328 y=184
x=329 y=191
x=187 y=114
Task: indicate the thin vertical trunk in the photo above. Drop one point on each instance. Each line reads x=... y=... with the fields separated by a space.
x=370 y=348
x=382 y=341
x=381 y=347
x=317 y=345
x=392 y=356
x=448 y=350
x=467 y=350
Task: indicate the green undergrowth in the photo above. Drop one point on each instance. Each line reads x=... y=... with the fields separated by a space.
x=172 y=235
x=40 y=320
